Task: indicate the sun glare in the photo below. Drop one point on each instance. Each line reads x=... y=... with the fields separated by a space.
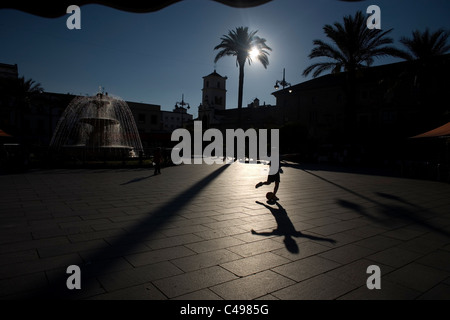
x=254 y=53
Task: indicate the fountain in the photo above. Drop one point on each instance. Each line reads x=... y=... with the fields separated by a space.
x=97 y=128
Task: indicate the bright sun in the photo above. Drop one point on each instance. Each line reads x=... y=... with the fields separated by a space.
x=254 y=53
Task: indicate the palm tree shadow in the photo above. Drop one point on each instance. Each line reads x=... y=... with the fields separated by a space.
x=286 y=228
x=103 y=259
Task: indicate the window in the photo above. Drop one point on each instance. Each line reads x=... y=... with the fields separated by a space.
x=388 y=117
x=364 y=120
x=141 y=118
x=27 y=126
x=313 y=116
x=154 y=119
x=364 y=95
x=41 y=127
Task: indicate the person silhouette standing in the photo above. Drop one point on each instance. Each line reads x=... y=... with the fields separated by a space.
x=157 y=161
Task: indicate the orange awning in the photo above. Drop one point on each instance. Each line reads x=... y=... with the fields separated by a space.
x=4 y=134
x=442 y=131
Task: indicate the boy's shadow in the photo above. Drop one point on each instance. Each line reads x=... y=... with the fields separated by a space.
x=286 y=228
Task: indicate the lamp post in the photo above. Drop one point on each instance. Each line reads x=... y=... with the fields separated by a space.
x=283 y=82
x=181 y=105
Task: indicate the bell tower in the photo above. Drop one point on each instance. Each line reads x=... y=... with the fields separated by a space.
x=214 y=94
x=214 y=91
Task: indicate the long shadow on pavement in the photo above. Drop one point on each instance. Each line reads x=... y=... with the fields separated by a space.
x=340 y=168
x=389 y=211
x=137 y=180
x=286 y=228
x=139 y=232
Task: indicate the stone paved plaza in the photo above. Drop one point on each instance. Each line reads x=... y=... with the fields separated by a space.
x=204 y=232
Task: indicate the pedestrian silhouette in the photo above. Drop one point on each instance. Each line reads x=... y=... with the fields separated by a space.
x=286 y=228
x=157 y=161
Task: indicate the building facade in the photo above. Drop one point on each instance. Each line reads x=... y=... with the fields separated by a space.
x=178 y=118
x=390 y=104
x=8 y=71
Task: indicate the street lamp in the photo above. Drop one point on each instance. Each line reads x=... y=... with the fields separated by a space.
x=181 y=105
x=283 y=82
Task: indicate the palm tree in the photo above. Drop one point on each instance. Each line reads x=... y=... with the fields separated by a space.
x=240 y=43
x=353 y=45
x=424 y=45
x=27 y=88
x=427 y=71
x=21 y=92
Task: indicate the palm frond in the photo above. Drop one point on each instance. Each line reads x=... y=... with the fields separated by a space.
x=239 y=42
x=423 y=45
x=353 y=45
x=320 y=67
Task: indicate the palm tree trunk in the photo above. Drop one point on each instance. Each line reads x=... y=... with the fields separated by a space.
x=241 y=92
x=350 y=108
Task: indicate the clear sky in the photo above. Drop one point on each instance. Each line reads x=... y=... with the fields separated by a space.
x=158 y=56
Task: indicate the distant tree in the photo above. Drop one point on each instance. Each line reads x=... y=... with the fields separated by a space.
x=20 y=89
x=27 y=88
x=240 y=43
x=21 y=93
x=424 y=45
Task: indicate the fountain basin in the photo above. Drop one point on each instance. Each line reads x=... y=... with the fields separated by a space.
x=100 y=127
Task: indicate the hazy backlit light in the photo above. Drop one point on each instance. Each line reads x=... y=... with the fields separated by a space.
x=254 y=53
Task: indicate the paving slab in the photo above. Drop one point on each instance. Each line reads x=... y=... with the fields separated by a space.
x=322 y=287
x=254 y=264
x=256 y=285
x=193 y=281
x=306 y=268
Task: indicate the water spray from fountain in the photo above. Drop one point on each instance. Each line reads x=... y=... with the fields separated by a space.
x=97 y=127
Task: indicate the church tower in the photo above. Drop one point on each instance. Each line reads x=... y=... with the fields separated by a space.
x=214 y=91
x=214 y=94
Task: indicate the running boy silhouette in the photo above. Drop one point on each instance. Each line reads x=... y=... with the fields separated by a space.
x=272 y=178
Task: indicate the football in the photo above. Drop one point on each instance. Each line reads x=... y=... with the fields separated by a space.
x=270 y=195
